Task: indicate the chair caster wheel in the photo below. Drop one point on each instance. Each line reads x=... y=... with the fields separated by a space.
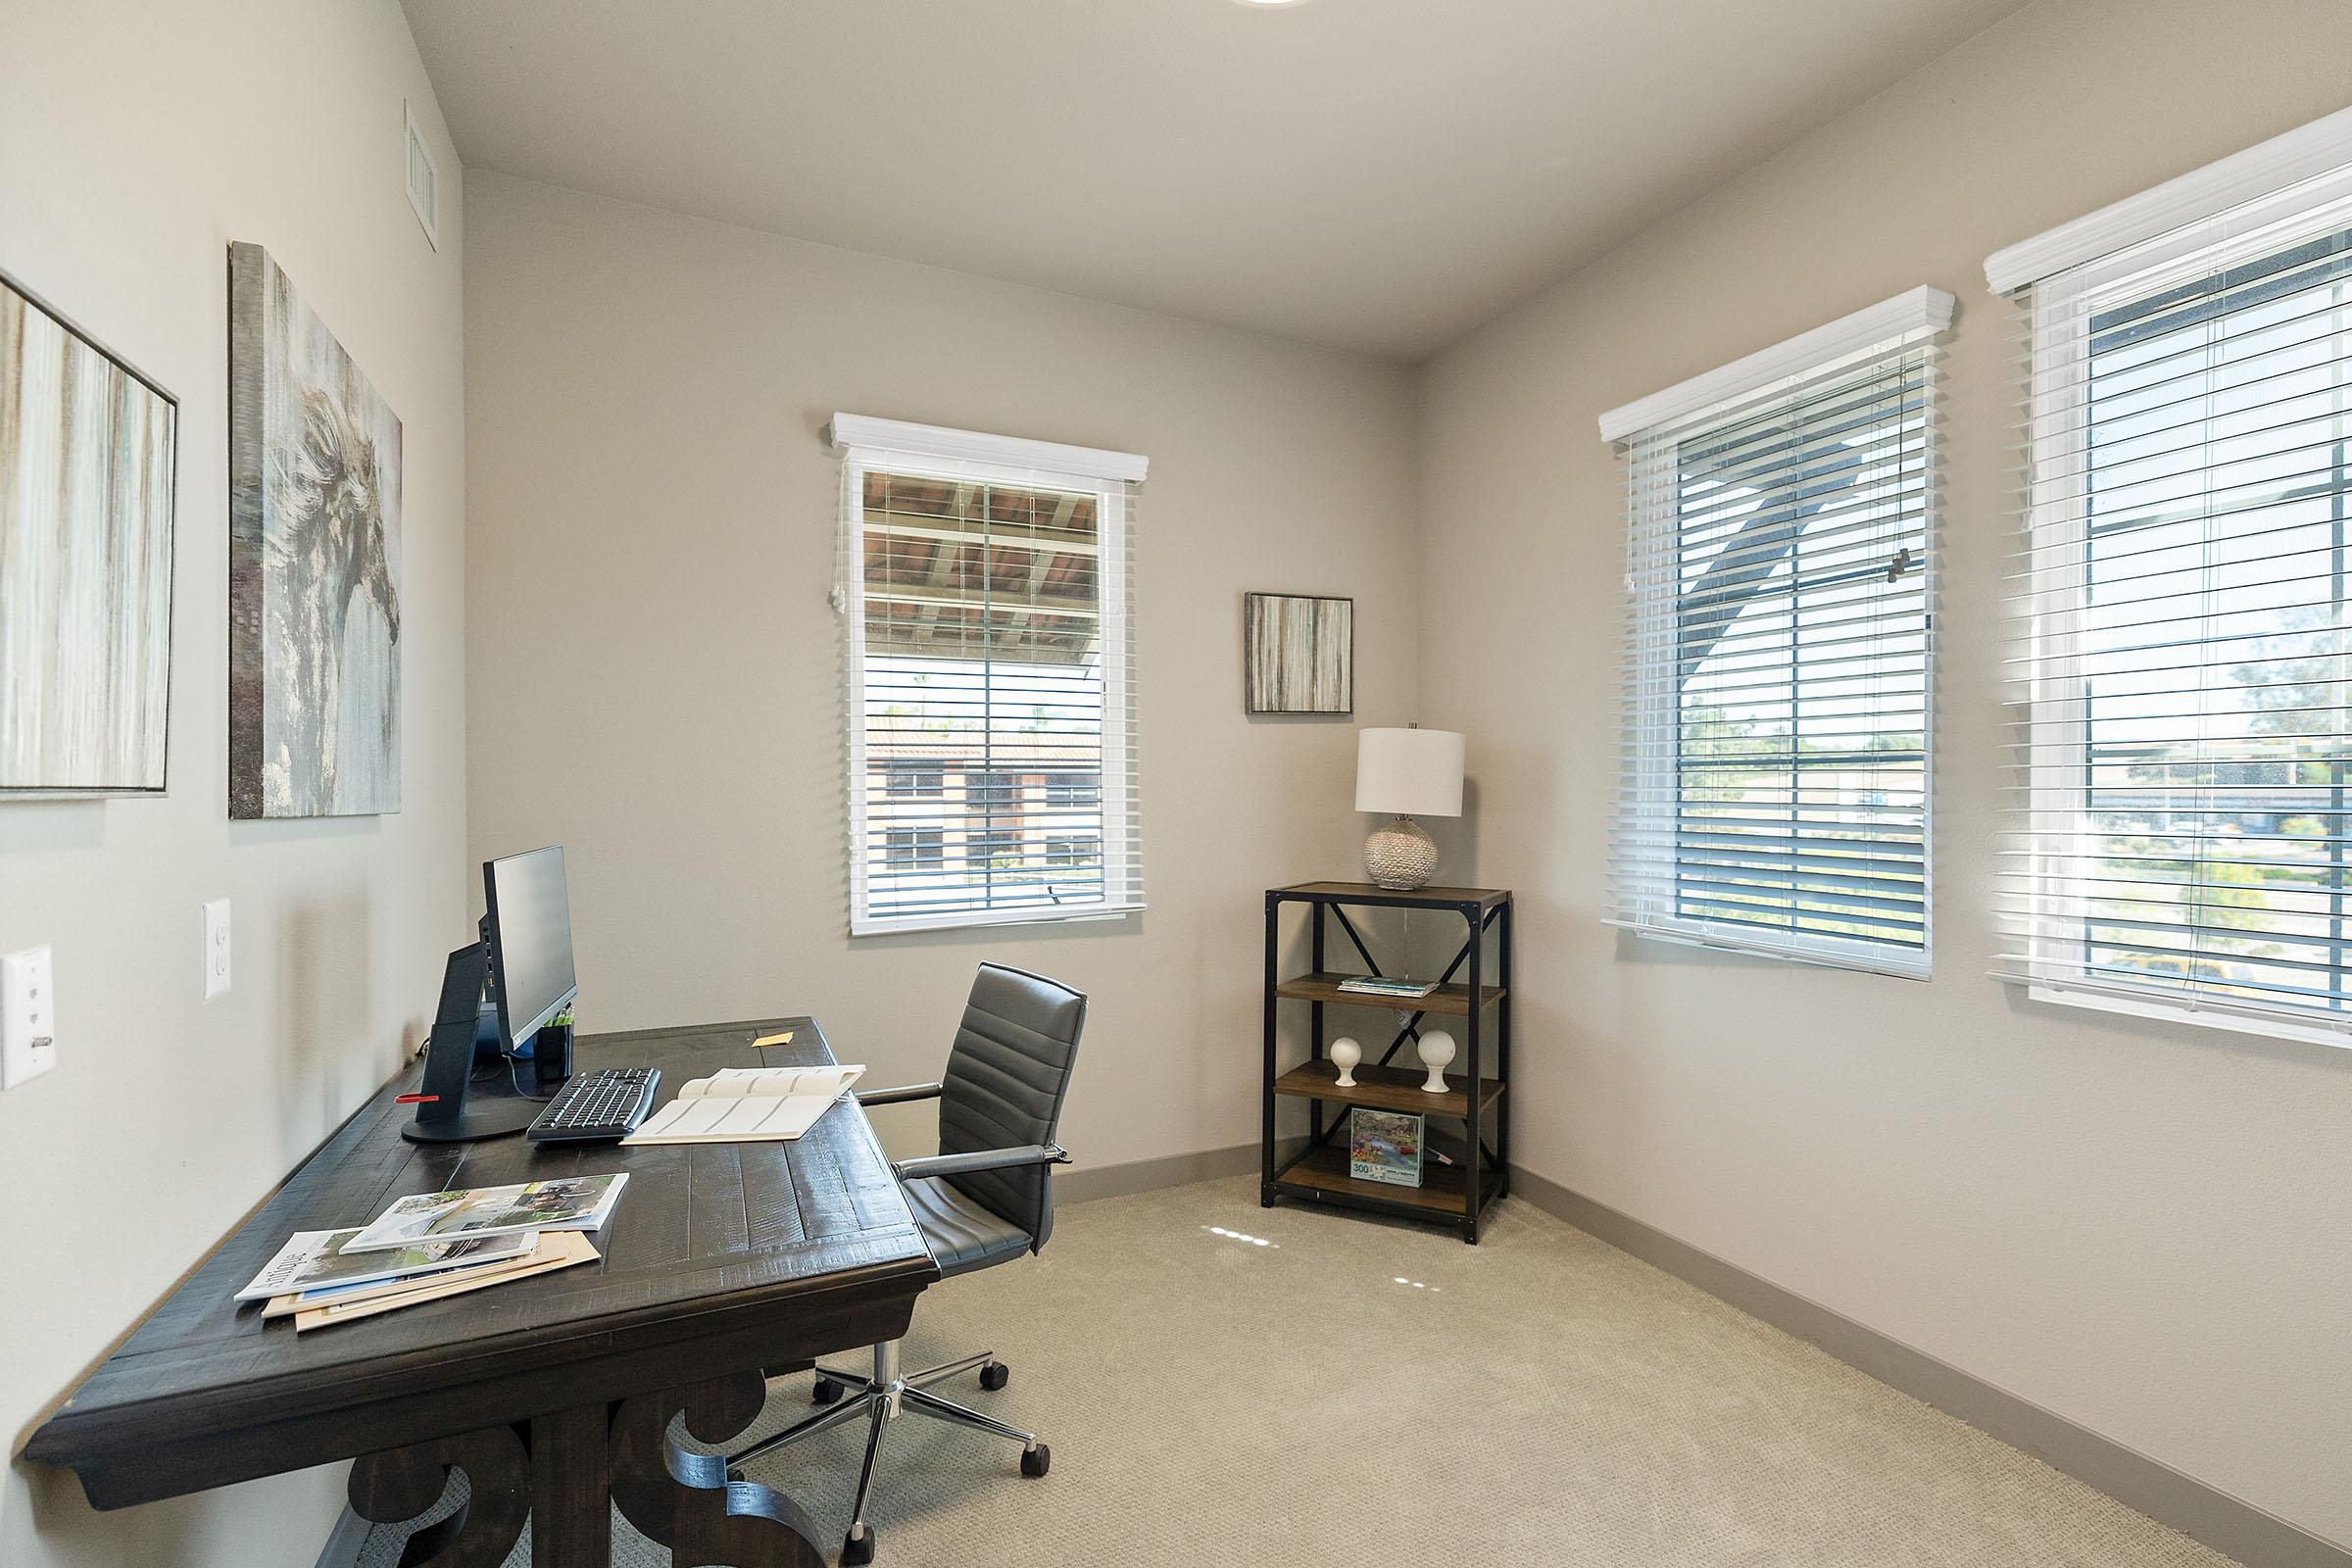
x=1034 y=1460
x=826 y=1392
x=858 y=1548
x=995 y=1375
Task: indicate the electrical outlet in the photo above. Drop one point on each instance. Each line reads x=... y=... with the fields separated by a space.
x=28 y=1016
x=216 y=947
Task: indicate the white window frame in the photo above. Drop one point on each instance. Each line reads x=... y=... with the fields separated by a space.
x=891 y=446
x=1648 y=428
x=2073 y=270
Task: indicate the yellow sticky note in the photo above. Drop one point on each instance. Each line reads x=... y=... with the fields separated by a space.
x=784 y=1039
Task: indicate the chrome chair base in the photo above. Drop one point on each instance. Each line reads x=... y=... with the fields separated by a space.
x=881 y=1398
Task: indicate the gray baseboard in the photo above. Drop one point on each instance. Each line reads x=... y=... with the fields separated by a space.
x=1150 y=1175
x=344 y=1541
x=2228 y=1524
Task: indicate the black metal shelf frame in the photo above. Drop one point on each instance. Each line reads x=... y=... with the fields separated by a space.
x=1485 y=1167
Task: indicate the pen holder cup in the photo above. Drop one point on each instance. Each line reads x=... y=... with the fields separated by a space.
x=550 y=1055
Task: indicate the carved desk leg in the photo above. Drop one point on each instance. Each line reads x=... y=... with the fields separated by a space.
x=684 y=1500
x=399 y=1484
x=571 y=1509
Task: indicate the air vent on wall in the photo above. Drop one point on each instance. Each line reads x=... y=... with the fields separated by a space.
x=425 y=181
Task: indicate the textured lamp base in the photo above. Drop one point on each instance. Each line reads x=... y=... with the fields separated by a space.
x=1400 y=856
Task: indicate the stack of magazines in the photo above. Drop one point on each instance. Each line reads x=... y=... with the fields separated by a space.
x=434 y=1244
x=1369 y=985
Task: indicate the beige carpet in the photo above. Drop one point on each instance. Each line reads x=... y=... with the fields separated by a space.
x=1222 y=1382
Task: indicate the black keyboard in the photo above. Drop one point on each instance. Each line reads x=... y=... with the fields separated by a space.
x=597 y=1108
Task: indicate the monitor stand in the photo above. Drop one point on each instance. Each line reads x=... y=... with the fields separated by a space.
x=444 y=1116
x=491 y=1116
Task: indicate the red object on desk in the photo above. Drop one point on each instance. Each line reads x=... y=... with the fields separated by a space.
x=416 y=1099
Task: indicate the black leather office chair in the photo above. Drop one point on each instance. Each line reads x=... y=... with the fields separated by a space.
x=986 y=1198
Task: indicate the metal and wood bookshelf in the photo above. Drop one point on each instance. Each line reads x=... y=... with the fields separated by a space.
x=1453 y=1194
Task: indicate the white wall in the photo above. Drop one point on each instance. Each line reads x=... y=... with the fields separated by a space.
x=653 y=674
x=2140 y=1227
x=136 y=140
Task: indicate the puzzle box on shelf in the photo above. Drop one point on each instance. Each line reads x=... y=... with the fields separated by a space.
x=1384 y=1146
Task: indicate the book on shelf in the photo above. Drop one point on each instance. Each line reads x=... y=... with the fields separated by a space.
x=566 y=1204
x=747 y=1105
x=552 y=1250
x=317 y=1260
x=1382 y=986
x=1384 y=1146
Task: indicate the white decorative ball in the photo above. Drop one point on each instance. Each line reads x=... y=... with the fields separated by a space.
x=1345 y=1054
x=1437 y=1050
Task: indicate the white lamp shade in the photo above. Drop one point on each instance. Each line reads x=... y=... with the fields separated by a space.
x=1408 y=772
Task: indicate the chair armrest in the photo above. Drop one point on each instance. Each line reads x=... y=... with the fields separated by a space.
x=891 y=1096
x=979 y=1159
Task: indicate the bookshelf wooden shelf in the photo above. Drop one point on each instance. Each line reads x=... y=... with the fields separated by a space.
x=1451 y=1000
x=1457 y=1193
x=1324 y=1170
x=1384 y=1089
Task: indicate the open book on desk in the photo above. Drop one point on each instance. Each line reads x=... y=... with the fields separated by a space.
x=747 y=1105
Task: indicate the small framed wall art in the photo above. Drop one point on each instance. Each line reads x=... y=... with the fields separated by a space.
x=1298 y=654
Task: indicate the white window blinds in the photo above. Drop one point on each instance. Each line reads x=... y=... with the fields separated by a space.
x=988 y=595
x=1780 y=563
x=2184 y=664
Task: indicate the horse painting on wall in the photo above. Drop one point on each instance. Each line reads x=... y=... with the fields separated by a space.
x=313 y=665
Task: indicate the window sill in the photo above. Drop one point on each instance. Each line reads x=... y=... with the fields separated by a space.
x=2202 y=1014
x=1820 y=955
x=897 y=925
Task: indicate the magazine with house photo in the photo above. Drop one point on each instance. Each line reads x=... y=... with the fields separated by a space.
x=748 y=1105
x=503 y=1264
x=567 y=1204
x=555 y=1249
x=318 y=1259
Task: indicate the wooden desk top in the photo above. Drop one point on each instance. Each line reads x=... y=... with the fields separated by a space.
x=718 y=1257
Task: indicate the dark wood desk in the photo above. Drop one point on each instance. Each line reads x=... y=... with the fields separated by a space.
x=557 y=1393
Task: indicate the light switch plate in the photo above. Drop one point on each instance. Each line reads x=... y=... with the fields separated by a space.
x=216 y=947
x=28 y=1016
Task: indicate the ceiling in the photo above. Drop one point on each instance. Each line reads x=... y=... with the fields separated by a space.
x=1375 y=175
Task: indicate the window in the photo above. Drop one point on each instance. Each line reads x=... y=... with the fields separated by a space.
x=993 y=844
x=1071 y=850
x=1780 y=561
x=915 y=849
x=987 y=592
x=2184 y=836
x=992 y=793
x=1066 y=792
x=915 y=780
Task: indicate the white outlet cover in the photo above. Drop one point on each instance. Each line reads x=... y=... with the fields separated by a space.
x=28 y=1016
x=216 y=947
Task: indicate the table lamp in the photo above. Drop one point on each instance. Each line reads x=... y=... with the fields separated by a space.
x=1406 y=773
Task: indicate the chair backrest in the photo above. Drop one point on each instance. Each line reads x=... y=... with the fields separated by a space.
x=1006 y=1080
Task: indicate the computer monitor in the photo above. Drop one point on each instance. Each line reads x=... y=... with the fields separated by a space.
x=529 y=930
